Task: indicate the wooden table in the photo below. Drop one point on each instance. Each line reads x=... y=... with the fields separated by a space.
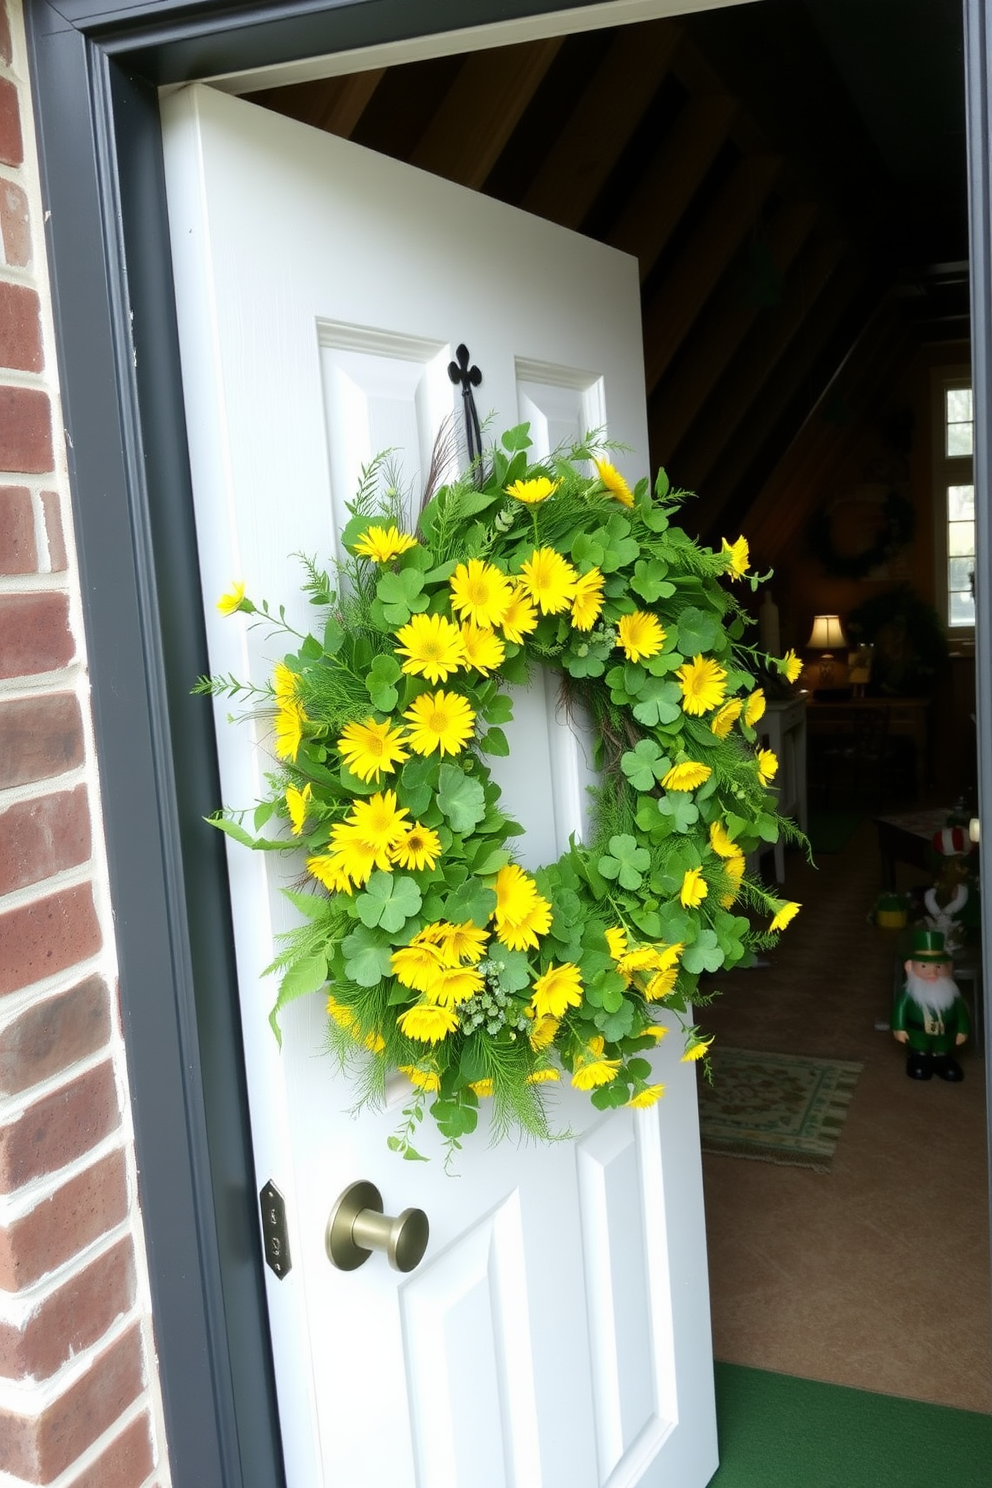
x=905 y=838
x=909 y=717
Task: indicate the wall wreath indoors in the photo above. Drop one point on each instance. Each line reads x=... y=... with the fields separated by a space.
x=897 y=525
x=437 y=954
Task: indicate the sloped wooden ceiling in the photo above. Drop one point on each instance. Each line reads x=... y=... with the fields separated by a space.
x=759 y=270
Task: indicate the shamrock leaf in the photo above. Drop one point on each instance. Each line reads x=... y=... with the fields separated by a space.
x=683 y=810
x=461 y=799
x=658 y=702
x=650 y=580
x=419 y=781
x=644 y=764
x=650 y=819
x=384 y=672
x=705 y=954
x=697 y=631
x=401 y=596
x=388 y=901
x=587 y=552
x=513 y=970
x=470 y=901
x=625 y=861
x=366 y=956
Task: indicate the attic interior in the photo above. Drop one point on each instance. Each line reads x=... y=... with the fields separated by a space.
x=791 y=177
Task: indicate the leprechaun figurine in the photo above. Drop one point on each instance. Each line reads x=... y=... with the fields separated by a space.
x=930 y=1016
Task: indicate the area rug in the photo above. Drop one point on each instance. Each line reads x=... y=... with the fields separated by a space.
x=779 y=1108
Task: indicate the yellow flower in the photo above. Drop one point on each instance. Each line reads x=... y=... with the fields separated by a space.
x=432 y=645
x=424 y=1079
x=539 y=1076
x=416 y=966
x=345 y=1018
x=703 y=682
x=696 y=1050
x=557 y=990
x=721 y=841
x=369 y=748
x=724 y=718
x=549 y=580
x=290 y=719
x=234 y=600
x=328 y=869
x=646 y=1097
x=354 y=855
x=652 y=1030
x=686 y=777
x=419 y=848
x=790 y=665
x=785 y=915
x=455 y=984
x=297 y=802
x=383 y=543
x=544 y=1032
x=640 y=635
x=661 y=984
x=284 y=683
x=694 y=888
x=767 y=765
x=520 y=619
x=427 y=1022
x=482 y=1088
x=592 y=1069
x=588 y=601
x=532 y=491
x=521 y=913
x=614 y=482
x=649 y=958
x=616 y=939
x=734 y=869
x=482 y=647
x=465 y=942
x=754 y=708
x=737 y=556
x=440 y=720
x=379 y=821
x=480 y=593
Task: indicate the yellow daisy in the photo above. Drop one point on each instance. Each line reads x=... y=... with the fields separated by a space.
x=544 y=1032
x=785 y=915
x=614 y=482
x=640 y=634
x=284 y=683
x=480 y=593
x=521 y=913
x=616 y=939
x=234 y=600
x=419 y=848
x=424 y=1079
x=539 y=1076
x=588 y=601
x=532 y=491
x=380 y=821
x=355 y=855
x=725 y=717
x=592 y=1068
x=416 y=966
x=482 y=1088
x=721 y=841
x=549 y=580
x=694 y=888
x=686 y=777
x=767 y=765
x=370 y=748
x=661 y=984
x=790 y=665
x=465 y=942
x=737 y=555
x=653 y=1030
x=439 y=720
x=557 y=990
x=297 y=803
x=646 y=1097
x=381 y=544
x=696 y=1050
x=484 y=651
x=427 y=1022
x=328 y=869
x=733 y=867
x=455 y=984
x=432 y=645
x=521 y=618
x=754 y=708
x=290 y=719
x=703 y=682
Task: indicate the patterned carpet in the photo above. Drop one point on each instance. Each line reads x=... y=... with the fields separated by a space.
x=780 y=1108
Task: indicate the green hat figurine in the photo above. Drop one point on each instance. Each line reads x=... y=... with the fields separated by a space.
x=928 y=945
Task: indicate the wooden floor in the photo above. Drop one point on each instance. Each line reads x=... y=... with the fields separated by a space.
x=876 y=1276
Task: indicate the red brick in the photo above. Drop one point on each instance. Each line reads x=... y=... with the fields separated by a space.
x=88 y=1206
x=15 y=225
x=52 y=507
x=71 y=1319
x=127 y=1461
x=52 y=1035
x=25 y=429
x=37 y=940
x=18 y=553
x=11 y=144
x=20 y=328
x=40 y=1447
x=6 y=51
x=59 y=1128
x=40 y=737
x=34 y=634
x=43 y=837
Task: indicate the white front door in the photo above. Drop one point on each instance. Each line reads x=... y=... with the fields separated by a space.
x=556 y=1334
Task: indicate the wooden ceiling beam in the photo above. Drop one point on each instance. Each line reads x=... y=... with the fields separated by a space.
x=727 y=320
x=332 y=104
x=672 y=179
x=481 y=109
x=608 y=111
x=669 y=316
x=741 y=389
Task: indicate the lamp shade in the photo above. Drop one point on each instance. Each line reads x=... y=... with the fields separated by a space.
x=827 y=633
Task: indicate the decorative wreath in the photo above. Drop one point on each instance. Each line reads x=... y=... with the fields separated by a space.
x=437 y=954
x=896 y=530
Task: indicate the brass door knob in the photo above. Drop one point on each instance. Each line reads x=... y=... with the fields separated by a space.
x=357 y=1227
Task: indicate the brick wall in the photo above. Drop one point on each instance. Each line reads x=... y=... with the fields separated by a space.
x=79 y=1400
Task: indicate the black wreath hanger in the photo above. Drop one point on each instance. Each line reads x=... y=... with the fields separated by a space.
x=462 y=373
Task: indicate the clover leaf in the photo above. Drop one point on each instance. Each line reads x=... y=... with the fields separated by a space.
x=658 y=702
x=697 y=631
x=401 y=596
x=461 y=799
x=705 y=954
x=680 y=806
x=366 y=956
x=644 y=764
x=389 y=901
x=625 y=861
x=384 y=672
x=470 y=901
x=650 y=580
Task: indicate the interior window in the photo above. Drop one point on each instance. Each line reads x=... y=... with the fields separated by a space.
x=956 y=505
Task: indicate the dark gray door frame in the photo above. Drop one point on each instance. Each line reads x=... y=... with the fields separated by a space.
x=95 y=70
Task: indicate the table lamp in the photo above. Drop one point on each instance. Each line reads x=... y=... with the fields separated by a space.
x=827 y=633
